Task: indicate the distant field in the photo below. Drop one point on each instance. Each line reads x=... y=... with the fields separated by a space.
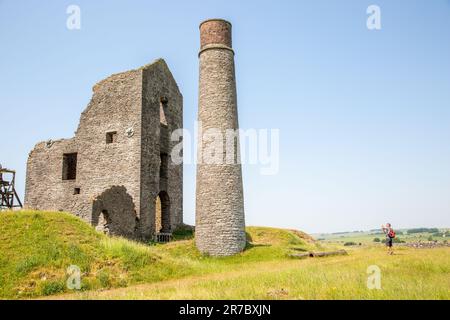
x=37 y=247
x=365 y=237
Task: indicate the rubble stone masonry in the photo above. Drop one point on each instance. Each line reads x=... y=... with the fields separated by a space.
x=220 y=222
x=110 y=171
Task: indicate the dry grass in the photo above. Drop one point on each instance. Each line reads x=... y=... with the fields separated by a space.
x=37 y=248
x=410 y=274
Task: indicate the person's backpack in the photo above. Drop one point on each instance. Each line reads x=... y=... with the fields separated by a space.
x=391 y=233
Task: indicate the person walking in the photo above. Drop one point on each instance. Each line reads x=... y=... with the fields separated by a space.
x=390 y=235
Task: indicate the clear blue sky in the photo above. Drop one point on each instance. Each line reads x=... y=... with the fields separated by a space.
x=364 y=116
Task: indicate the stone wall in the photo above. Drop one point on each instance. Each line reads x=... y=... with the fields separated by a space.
x=160 y=88
x=45 y=189
x=118 y=155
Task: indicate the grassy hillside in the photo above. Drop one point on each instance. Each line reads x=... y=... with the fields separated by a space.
x=410 y=274
x=38 y=247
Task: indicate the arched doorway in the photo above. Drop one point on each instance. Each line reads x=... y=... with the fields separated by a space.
x=162 y=213
x=114 y=213
x=103 y=222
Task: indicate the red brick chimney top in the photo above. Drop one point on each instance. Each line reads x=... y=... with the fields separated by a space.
x=215 y=31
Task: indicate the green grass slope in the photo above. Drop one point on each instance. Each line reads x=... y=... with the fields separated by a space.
x=409 y=274
x=37 y=248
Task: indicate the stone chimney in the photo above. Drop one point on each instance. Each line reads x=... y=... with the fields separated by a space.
x=220 y=221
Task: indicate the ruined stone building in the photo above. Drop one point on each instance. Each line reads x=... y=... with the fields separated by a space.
x=116 y=172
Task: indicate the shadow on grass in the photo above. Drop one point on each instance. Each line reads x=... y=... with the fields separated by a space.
x=248 y=237
x=250 y=245
x=184 y=232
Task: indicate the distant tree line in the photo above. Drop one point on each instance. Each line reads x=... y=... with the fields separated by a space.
x=422 y=230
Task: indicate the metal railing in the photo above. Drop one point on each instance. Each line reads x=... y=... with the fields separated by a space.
x=163 y=237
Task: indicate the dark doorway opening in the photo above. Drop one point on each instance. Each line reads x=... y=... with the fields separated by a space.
x=104 y=222
x=162 y=213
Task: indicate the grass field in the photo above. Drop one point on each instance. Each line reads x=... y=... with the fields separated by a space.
x=407 y=275
x=37 y=248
